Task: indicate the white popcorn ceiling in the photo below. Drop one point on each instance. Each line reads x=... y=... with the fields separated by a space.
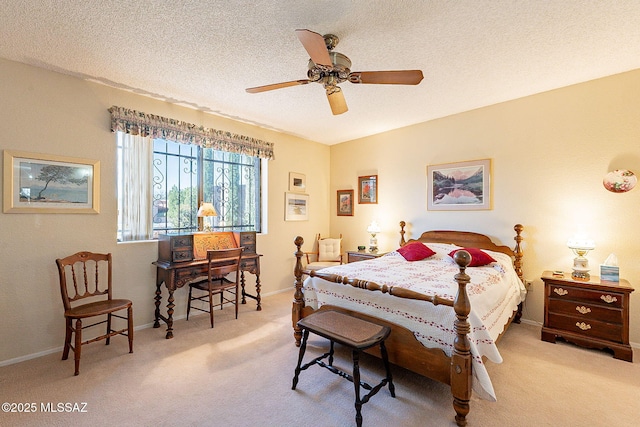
x=203 y=54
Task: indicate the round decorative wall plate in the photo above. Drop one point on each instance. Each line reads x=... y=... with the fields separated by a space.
x=619 y=181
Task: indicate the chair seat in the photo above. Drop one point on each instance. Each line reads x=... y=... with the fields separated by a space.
x=319 y=264
x=204 y=286
x=97 y=308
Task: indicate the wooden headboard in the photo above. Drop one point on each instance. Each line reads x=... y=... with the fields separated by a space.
x=471 y=240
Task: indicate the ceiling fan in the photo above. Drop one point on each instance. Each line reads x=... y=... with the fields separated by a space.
x=330 y=68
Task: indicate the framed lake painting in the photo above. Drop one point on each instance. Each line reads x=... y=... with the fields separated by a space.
x=459 y=186
x=45 y=183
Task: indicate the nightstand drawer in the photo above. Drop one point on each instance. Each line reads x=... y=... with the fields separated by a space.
x=585 y=311
x=587 y=327
x=609 y=299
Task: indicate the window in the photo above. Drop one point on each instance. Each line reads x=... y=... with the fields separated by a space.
x=184 y=174
x=166 y=167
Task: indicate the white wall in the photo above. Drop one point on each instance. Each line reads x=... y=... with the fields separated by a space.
x=550 y=153
x=47 y=112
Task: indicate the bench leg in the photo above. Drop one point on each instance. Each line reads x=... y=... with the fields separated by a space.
x=356 y=384
x=303 y=347
x=385 y=361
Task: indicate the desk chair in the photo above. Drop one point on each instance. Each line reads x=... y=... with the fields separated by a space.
x=86 y=281
x=222 y=262
x=328 y=253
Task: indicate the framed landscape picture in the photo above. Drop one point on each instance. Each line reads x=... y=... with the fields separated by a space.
x=368 y=189
x=345 y=202
x=296 y=207
x=44 y=183
x=459 y=186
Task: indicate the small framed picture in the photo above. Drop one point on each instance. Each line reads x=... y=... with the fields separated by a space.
x=368 y=189
x=297 y=182
x=345 y=202
x=296 y=207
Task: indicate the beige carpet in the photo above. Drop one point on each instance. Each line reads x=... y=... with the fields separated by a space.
x=239 y=374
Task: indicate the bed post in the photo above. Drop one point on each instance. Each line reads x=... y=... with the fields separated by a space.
x=298 y=297
x=518 y=250
x=461 y=359
x=517 y=264
x=402 y=241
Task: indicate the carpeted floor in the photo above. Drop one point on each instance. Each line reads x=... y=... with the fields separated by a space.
x=239 y=374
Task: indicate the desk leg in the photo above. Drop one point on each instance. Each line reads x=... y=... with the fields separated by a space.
x=170 y=306
x=158 y=298
x=244 y=294
x=259 y=308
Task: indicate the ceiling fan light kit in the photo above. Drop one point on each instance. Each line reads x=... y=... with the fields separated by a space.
x=331 y=68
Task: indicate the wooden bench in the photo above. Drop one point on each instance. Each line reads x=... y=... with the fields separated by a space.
x=356 y=334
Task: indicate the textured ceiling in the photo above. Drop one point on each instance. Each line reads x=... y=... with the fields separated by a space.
x=203 y=54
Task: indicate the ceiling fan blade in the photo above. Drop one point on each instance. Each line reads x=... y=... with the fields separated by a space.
x=336 y=101
x=404 y=77
x=315 y=46
x=265 y=88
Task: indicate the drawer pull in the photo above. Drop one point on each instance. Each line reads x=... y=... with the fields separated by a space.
x=583 y=326
x=608 y=299
x=560 y=291
x=583 y=310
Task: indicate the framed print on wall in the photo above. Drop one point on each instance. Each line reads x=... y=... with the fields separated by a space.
x=297 y=182
x=345 y=202
x=368 y=189
x=459 y=186
x=296 y=207
x=45 y=183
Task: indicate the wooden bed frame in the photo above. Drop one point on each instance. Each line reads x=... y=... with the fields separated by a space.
x=403 y=348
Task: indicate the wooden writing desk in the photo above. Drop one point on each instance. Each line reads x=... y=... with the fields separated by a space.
x=178 y=264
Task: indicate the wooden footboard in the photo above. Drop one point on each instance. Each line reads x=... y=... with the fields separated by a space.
x=404 y=349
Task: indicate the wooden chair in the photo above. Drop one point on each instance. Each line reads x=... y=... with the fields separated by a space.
x=328 y=252
x=222 y=262
x=82 y=277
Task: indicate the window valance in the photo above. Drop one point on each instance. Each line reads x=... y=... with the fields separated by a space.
x=139 y=123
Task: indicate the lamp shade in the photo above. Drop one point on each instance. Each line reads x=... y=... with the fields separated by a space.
x=581 y=242
x=373 y=228
x=207 y=209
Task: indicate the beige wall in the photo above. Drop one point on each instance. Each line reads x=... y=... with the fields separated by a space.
x=550 y=153
x=46 y=112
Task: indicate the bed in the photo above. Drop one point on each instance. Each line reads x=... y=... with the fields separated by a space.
x=446 y=317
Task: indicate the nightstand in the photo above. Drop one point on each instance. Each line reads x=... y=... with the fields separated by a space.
x=353 y=256
x=590 y=313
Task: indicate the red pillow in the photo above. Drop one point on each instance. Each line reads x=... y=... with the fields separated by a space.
x=415 y=251
x=478 y=257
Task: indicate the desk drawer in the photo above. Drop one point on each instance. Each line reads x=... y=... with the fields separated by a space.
x=190 y=273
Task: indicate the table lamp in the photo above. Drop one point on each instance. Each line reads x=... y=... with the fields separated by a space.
x=580 y=245
x=206 y=210
x=373 y=229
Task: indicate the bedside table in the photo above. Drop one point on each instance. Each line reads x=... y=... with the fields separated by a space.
x=590 y=313
x=354 y=256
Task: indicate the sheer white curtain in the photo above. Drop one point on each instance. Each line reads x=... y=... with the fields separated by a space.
x=135 y=197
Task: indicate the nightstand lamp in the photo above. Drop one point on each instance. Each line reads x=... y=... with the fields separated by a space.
x=580 y=245
x=206 y=210
x=373 y=229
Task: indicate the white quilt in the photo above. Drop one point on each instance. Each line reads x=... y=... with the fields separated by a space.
x=495 y=291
